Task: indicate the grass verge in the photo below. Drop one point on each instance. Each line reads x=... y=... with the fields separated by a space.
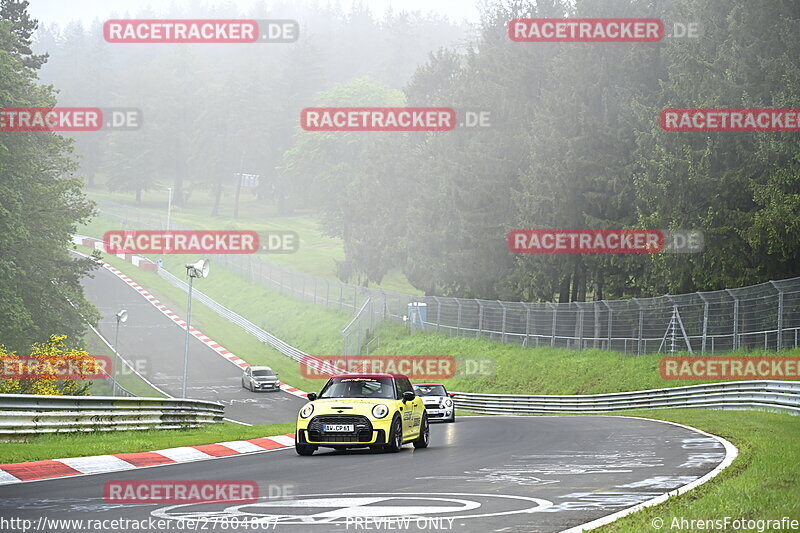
x=762 y=482
x=65 y=445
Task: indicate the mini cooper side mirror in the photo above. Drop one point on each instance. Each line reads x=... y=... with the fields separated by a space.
x=408 y=396
x=452 y=394
x=312 y=396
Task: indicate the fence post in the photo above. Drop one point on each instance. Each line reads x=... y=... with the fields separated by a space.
x=580 y=324
x=705 y=322
x=610 y=322
x=553 y=332
x=480 y=318
x=779 y=343
x=503 y=332
x=527 y=323
x=438 y=312
x=458 y=318
x=641 y=326
x=735 y=318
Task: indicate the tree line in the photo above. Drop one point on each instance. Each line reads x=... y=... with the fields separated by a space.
x=574 y=142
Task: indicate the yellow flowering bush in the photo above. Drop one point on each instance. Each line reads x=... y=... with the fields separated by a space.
x=51 y=368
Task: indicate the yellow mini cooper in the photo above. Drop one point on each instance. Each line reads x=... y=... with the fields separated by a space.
x=378 y=411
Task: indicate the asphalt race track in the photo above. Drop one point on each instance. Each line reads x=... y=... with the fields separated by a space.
x=154 y=345
x=502 y=474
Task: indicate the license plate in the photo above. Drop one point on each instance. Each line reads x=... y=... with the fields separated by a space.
x=338 y=428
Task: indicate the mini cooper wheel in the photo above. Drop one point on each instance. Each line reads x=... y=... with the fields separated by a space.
x=304 y=449
x=395 y=437
x=424 y=434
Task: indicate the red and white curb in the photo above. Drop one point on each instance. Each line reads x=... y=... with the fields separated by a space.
x=100 y=464
x=199 y=335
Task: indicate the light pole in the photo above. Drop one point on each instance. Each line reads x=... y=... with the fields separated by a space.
x=169 y=206
x=122 y=317
x=197 y=270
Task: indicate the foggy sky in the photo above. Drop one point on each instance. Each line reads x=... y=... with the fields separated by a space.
x=62 y=12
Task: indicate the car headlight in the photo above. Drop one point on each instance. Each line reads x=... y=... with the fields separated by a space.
x=380 y=411
x=449 y=403
x=306 y=411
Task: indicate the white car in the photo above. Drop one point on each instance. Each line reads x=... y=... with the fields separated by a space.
x=438 y=402
x=260 y=378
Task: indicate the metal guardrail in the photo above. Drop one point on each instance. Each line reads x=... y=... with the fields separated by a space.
x=781 y=396
x=22 y=414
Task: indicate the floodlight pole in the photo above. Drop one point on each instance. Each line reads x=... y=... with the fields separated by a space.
x=118 y=357
x=190 y=272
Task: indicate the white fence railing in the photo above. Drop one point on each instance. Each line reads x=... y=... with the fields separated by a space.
x=768 y=395
x=28 y=414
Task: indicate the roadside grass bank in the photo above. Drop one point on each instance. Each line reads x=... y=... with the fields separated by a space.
x=762 y=483
x=64 y=445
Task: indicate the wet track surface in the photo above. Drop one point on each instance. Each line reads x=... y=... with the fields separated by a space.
x=154 y=345
x=503 y=474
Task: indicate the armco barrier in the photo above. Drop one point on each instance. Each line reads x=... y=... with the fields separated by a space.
x=781 y=396
x=27 y=414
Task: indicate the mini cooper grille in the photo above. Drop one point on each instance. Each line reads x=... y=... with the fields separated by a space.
x=361 y=424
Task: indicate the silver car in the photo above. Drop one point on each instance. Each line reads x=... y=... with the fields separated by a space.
x=260 y=378
x=438 y=402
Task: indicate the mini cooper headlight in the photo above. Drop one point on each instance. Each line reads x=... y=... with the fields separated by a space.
x=449 y=403
x=380 y=411
x=306 y=411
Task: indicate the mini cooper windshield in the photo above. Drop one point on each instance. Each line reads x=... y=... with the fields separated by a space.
x=358 y=388
x=430 y=390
